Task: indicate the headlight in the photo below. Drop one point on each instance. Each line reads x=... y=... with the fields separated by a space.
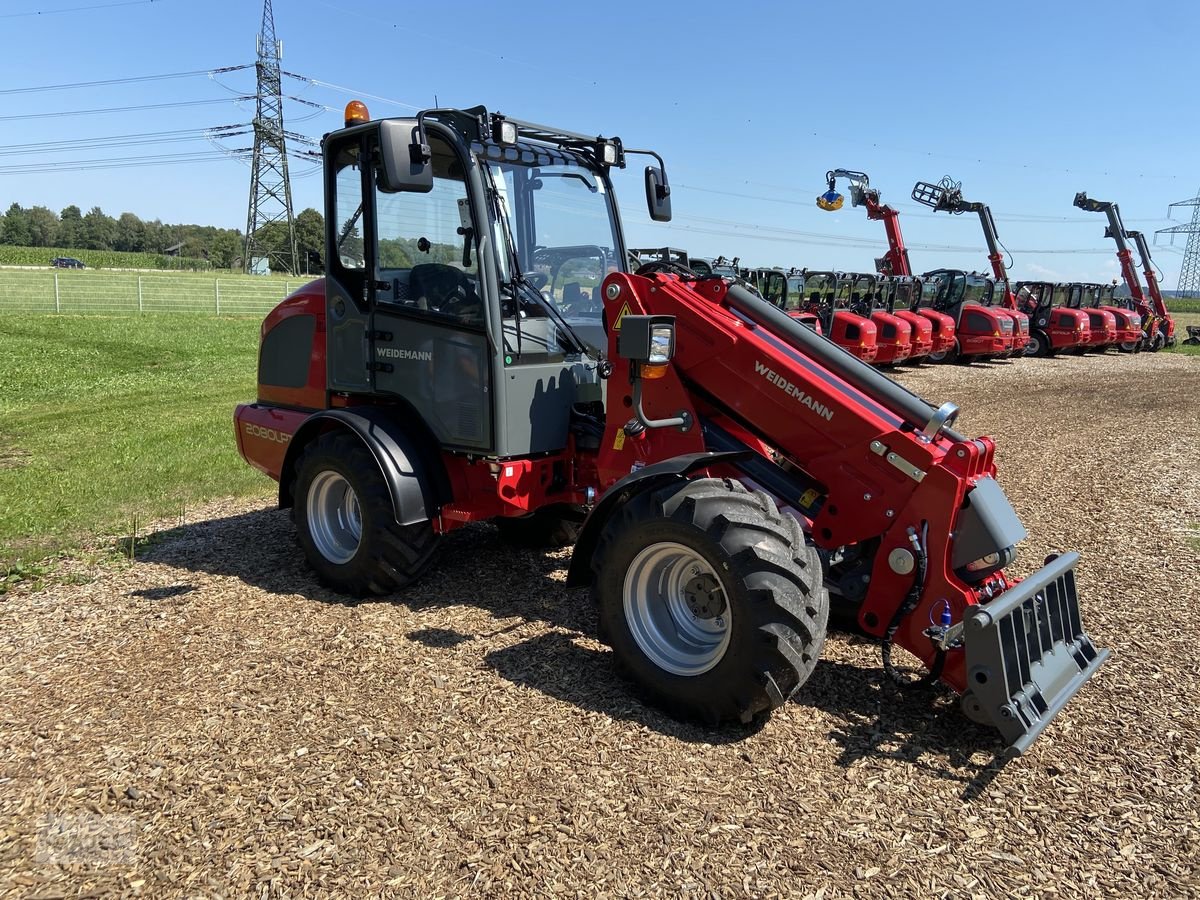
x=662 y=344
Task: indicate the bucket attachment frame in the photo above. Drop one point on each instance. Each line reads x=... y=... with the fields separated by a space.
x=1027 y=654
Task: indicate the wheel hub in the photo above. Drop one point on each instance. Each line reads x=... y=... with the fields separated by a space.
x=334 y=517
x=704 y=596
x=676 y=609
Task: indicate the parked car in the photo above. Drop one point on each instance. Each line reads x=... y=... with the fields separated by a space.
x=67 y=262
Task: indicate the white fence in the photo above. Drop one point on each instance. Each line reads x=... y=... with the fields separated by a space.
x=100 y=292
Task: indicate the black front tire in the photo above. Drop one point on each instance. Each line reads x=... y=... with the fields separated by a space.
x=389 y=556
x=1039 y=345
x=771 y=580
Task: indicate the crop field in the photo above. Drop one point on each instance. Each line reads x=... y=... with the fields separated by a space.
x=112 y=259
x=205 y=720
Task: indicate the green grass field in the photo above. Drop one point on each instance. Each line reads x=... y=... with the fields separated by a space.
x=102 y=419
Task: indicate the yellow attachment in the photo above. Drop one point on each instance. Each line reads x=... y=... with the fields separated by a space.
x=830 y=201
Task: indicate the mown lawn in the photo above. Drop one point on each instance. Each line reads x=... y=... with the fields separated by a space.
x=105 y=419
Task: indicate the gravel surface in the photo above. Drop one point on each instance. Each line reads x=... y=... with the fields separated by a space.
x=208 y=722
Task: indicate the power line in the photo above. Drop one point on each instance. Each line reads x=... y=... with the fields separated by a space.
x=120 y=162
x=52 y=12
x=130 y=80
x=75 y=142
x=345 y=90
x=111 y=109
x=199 y=134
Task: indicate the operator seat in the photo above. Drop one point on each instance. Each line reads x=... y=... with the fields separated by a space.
x=447 y=290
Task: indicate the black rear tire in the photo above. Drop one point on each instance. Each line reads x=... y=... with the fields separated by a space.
x=768 y=577
x=388 y=556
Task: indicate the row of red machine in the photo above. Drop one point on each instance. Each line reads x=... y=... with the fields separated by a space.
x=893 y=315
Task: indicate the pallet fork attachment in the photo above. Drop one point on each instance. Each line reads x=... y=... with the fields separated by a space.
x=1027 y=654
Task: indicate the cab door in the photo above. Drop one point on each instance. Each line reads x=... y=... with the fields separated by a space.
x=422 y=332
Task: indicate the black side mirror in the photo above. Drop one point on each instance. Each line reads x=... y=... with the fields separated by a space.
x=658 y=195
x=403 y=168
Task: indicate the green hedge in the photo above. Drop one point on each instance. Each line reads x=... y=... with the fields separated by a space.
x=97 y=259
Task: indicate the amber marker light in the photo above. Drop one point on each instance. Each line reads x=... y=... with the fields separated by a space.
x=356 y=113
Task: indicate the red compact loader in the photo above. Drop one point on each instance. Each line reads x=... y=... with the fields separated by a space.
x=479 y=352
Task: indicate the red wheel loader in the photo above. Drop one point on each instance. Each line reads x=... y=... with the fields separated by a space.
x=946 y=196
x=980 y=331
x=828 y=298
x=894 y=333
x=1158 y=328
x=1129 y=321
x=1056 y=326
x=1103 y=325
x=786 y=290
x=478 y=351
x=901 y=296
x=893 y=263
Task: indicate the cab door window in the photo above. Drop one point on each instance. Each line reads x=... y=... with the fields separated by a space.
x=428 y=264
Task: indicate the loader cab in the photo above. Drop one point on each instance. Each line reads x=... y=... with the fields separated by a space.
x=828 y=297
x=726 y=268
x=893 y=334
x=639 y=256
x=786 y=290
x=1128 y=320
x=1053 y=324
x=1102 y=324
x=979 y=331
x=900 y=295
x=468 y=294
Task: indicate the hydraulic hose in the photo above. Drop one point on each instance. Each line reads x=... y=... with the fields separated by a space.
x=905 y=609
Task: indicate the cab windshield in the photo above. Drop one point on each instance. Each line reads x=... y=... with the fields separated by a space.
x=975 y=290
x=562 y=230
x=819 y=287
x=999 y=294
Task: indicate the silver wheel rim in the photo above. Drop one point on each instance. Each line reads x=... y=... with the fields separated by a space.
x=334 y=517
x=658 y=585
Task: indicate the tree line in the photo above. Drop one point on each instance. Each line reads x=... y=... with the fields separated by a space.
x=72 y=229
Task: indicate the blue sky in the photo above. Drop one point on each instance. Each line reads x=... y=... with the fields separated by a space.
x=1024 y=103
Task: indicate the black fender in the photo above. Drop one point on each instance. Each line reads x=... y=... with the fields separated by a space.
x=677 y=468
x=410 y=465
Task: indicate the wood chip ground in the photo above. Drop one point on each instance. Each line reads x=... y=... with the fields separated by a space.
x=207 y=722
